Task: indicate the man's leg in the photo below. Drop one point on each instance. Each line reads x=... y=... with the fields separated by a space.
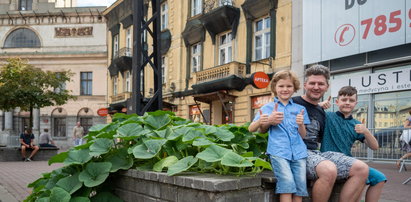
x=23 y=152
x=323 y=186
x=35 y=149
x=355 y=183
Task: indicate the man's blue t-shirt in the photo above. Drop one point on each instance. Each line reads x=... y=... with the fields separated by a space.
x=339 y=133
x=284 y=139
x=26 y=138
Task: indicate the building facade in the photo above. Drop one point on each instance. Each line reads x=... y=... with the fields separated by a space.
x=55 y=35
x=209 y=52
x=366 y=44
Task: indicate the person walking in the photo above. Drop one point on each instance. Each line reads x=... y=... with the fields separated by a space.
x=78 y=133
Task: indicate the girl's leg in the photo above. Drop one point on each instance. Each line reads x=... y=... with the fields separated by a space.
x=286 y=197
x=297 y=198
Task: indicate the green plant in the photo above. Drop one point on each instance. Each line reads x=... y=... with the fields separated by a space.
x=158 y=141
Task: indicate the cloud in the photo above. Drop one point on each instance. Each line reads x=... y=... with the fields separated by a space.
x=85 y=3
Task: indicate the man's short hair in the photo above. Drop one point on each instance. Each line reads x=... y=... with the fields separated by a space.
x=318 y=70
x=285 y=74
x=347 y=91
x=46 y=130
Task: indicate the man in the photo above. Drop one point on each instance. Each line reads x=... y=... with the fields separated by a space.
x=78 y=133
x=45 y=139
x=328 y=166
x=26 y=141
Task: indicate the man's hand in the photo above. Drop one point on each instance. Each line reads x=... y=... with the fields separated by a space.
x=300 y=118
x=276 y=117
x=326 y=103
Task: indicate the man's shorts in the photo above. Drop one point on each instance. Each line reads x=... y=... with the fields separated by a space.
x=375 y=177
x=342 y=162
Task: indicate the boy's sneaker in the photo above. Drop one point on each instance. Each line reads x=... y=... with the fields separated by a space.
x=23 y=159
x=28 y=159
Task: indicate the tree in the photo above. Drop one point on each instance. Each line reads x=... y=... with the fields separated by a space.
x=24 y=86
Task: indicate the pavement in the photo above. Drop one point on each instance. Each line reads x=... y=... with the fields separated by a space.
x=15 y=176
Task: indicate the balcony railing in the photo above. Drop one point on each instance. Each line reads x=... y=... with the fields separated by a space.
x=219 y=72
x=123 y=52
x=210 y=5
x=388 y=140
x=120 y=97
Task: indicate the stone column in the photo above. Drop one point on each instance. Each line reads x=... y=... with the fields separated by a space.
x=36 y=122
x=8 y=129
x=8 y=121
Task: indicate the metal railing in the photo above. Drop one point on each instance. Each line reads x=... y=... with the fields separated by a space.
x=210 y=5
x=388 y=140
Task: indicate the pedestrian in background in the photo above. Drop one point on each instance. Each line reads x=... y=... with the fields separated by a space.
x=78 y=133
x=45 y=139
x=405 y=140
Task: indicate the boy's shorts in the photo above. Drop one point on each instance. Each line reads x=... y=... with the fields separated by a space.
x=342 y=162
x=290 y=174
x=375 y=177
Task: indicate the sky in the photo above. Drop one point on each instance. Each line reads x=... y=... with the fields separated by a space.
x=83 y=3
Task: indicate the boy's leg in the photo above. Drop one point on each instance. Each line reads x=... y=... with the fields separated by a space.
x=298 y=168
x=324 y=172
x=376 y=180
x=285 y=180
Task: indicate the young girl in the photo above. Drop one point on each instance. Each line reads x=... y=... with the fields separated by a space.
x=285 y=121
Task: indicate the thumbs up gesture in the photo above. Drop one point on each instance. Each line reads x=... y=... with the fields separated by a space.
x=326 y=103
x=276 y=117
x=300 y=118
x=263 y=119
x=360 y=128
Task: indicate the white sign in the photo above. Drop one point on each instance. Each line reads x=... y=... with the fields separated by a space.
x=394 y=80
x=339 y=28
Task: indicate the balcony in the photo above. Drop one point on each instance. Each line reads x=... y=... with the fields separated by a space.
x=120 y=97
x=122 y=61
x=212 y=4
x=229 y=76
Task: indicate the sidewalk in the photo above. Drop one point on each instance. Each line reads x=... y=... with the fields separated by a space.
x=15 y=176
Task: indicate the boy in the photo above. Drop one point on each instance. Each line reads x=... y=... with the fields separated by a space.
x=342 y=130
x=285 y=144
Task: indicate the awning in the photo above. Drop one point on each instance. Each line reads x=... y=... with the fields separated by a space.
x=232 y=82
x=209 y=97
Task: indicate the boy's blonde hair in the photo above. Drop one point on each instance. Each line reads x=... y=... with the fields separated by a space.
x=285 y=74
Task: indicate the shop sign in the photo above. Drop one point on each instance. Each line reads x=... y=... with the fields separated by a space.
x=386 y=81
x=260 y=80
x=258 y=102
x=338 y=28
x=102 y=112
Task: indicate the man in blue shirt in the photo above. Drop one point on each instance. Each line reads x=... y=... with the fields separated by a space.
x=26 y=141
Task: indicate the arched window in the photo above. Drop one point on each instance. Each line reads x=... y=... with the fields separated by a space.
x=22 y=38
x=58 y=124
x=85 y=117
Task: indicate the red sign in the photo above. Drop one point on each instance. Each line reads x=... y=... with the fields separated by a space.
x=260 y=80
x=102 y=112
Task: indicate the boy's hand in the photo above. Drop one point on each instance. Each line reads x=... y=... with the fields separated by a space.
x=276 y=117
x=360 y=128
x=263 y=119
x=326 y=103
x=300 y=118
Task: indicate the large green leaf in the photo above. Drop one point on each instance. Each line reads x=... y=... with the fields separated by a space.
x=59 y=194
x=192 y=135
x=43 y=199
x=95 y=173
x=163 y=133
x=213 y=153
x=120 y=160
x=59 y=158
x=97 y=128
x=262 y=163
x=202 y=142
x=130 y=131
x=77 y=157
x=182 y=165
x=165 y=163
x=105 y=197
x=234 y=160
x=80 y=199
x=224 y=135
x=158 y=122
x=70 y=183
x=176 y=132
x=148 y=149
x=101 y=146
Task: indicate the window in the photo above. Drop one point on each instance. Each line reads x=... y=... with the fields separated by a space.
x=62 y=86
x=115 y=85
x=22 y=38
x=86 y=81
x=25 y=5
x=164 y=16
x=225 y=3
x=225 y=48
x=128 y=42
x=163 y=70
x=262 y=38
x=59 y=126
x=127 y=82
x=115 y=46
x=196 y=7
x=196 y=57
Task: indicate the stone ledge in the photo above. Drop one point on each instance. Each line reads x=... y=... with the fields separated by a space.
x=14 y=153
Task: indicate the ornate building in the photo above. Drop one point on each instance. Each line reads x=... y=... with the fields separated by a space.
x=210 y=50
x=55 y=35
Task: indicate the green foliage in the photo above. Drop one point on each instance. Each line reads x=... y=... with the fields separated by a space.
x=22 y=85
x=158 y=141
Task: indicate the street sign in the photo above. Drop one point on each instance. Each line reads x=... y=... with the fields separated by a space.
x=102 y=112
